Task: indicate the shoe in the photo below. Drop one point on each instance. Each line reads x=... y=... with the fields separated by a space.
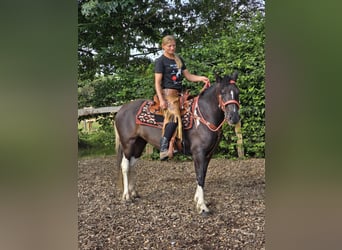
x=164 y=147
x=164 y=155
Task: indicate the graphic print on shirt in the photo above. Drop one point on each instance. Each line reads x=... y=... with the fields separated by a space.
x=176 y=74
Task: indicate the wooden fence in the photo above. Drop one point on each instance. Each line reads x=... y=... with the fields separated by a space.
x=97 y=111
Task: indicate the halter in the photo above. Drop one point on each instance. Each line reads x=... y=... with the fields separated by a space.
x=222 y=106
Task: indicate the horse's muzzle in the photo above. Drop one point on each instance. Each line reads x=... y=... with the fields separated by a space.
x=232 y=117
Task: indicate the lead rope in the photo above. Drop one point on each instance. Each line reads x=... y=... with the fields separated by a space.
x=222 y=104
x=200 y=117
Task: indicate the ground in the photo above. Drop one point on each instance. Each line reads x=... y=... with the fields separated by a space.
x=164 y=217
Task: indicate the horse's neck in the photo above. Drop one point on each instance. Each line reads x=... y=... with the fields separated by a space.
x=209 y=105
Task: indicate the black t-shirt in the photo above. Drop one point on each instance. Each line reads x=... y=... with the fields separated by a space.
x=172 y=76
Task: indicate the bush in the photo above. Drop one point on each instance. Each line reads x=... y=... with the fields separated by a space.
x=100 y=142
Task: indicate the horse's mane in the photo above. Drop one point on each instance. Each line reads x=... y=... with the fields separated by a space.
x=225 y=80
x=208 y=90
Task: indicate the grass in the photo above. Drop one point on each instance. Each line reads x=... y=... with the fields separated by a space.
x=99 y=142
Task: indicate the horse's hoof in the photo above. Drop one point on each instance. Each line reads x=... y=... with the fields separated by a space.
x=127 y=199
x=135 y=195
x=205 y=213
x=127 y=202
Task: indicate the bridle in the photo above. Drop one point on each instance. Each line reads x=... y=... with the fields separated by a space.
x=222 y=106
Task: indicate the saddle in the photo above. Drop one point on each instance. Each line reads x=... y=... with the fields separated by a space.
x=150 y=114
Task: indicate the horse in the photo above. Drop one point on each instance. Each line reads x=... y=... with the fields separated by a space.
x=213 y=106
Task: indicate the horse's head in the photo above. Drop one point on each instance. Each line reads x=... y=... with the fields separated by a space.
x=228 y=97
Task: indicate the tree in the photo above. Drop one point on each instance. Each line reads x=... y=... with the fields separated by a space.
x=113 y=34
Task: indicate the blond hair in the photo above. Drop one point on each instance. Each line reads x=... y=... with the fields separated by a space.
x=167 y=39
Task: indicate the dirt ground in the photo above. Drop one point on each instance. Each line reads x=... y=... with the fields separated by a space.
x=164 y=217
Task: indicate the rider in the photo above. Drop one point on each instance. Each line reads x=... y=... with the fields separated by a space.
x=169 y=72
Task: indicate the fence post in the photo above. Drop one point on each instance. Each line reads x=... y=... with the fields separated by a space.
x=239 y=146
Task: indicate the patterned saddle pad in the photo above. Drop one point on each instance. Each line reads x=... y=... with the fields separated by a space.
x=150 y=118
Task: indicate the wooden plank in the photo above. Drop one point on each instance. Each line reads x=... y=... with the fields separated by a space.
x=97 y=111
x=238 y=133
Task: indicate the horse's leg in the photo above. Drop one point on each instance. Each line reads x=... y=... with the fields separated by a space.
x=199 y=200
x=137 y=150
x=128 y=178
x=132 y=177
x=201 y=164
x=125 y=164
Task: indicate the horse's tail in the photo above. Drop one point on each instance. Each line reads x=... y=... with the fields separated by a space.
x=119 y=156
x=117 y=139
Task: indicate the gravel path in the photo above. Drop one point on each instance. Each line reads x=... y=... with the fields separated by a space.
x=164 y=217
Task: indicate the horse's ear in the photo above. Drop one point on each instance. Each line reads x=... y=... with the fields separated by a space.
x=218 y=78
x=235 y=75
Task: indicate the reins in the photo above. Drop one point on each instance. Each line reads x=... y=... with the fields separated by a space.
x=200 y=117
x=222 y=105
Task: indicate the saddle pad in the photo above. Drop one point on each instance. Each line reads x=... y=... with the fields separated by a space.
x=148 y=118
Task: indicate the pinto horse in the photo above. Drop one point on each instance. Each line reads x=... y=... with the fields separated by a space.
x=213 y=106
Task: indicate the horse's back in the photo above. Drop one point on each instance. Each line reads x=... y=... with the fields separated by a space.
x=132 y=105
x=126 y=115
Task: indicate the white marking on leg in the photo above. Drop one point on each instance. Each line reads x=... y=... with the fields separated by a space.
x=125 y=170
x=199 y=199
